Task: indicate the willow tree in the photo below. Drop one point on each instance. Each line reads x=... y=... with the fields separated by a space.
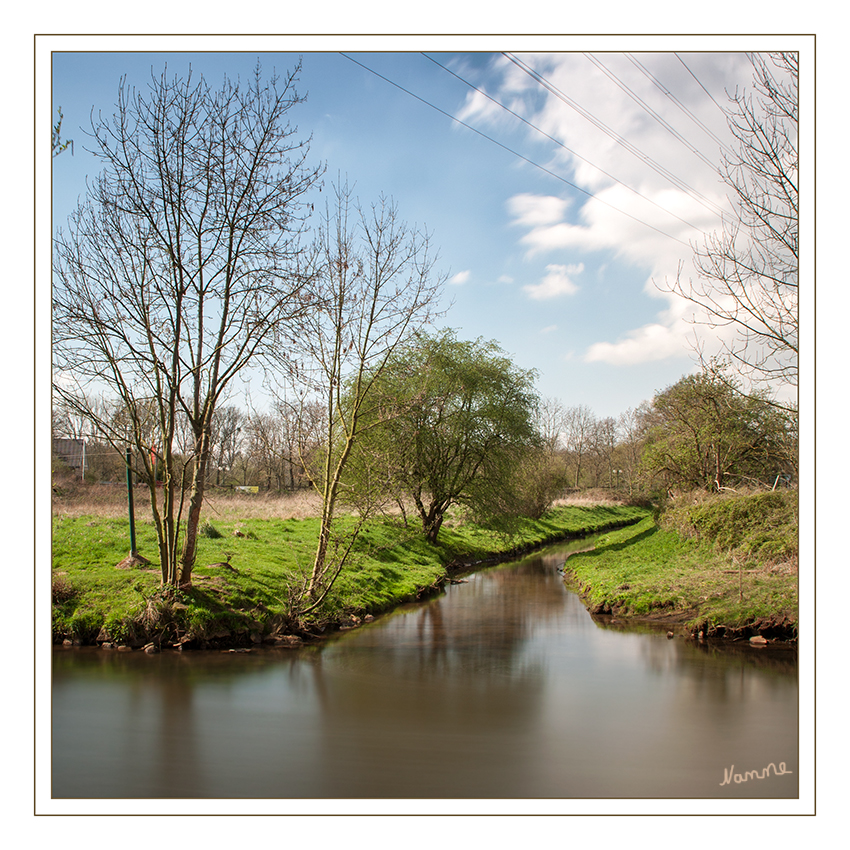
x=179 y=269
x=455 y=425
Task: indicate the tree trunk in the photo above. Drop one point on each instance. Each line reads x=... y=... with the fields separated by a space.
x=329 y=494
x=432 y=519
x=168 y=537
x=196 y=501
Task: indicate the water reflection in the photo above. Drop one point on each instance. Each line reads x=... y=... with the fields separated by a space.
x=503 y=687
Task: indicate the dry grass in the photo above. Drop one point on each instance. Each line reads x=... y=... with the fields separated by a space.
x=110 y=500
x=589 y=498
x=102 y=500
x=298 y=505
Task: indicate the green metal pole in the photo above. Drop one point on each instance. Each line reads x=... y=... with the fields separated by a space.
x=130 y=504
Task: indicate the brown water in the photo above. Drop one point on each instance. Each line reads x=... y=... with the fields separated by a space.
x=504 y=687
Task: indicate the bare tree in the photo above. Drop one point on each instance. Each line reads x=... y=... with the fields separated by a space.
x=602 y=441
x=631 y=429
x=58 y=144
x=180 y=269
x=748 y=273
x=68 y=423
x=225 y=430
x=377 y=289
x=267 y=448
x=578 y=429
x=550 y=424
x=301 y=424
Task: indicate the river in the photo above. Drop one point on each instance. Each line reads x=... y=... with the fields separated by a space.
x=503 y=687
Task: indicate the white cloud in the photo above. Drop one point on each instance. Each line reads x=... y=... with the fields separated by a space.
x=549 y=329
x=537 y=210
x=616 y=220
x=558 y=281
x=635 y=211
x=644 y=345
x=460 y=278
x=673 y=335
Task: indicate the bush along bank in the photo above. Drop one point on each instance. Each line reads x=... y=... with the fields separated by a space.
x=249 y=573
x=723 y=567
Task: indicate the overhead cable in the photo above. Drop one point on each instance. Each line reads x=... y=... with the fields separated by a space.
x=561 y=144
x=645 y=158
x=648 y=109
x=515 y=153
x=699 y=83
x=707 y=130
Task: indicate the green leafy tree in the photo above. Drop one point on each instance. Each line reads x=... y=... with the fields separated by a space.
x=455 y=421
x=703 y=433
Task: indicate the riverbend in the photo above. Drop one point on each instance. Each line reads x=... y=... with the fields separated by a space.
x=501 y=687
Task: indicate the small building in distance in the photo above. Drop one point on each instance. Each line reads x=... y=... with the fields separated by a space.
x=71 y=452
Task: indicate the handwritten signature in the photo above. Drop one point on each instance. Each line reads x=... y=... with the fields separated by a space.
x=729 y=776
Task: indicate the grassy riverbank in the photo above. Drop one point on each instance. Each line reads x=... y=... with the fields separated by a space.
x=250 y=564
x=726 y=566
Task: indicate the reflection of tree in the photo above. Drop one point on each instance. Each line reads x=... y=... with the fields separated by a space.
x=138 y=736
x=466 y=696
x=732 y=679
x=722 y=676
x=145 y=725
x=413 y=705
x=781 y=660
x=722 y=705
x=480 y=627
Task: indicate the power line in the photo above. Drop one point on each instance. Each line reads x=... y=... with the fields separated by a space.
x=561 y=144
x=515 y=153
x=699 y=83
x=648 y=109
x=707 y=130
x=636 y=152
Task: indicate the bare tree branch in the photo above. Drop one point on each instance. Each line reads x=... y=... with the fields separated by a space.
x=182 y=267
x=748 y=273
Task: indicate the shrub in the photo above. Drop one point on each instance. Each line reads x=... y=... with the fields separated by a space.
x=762 y=526
x=62 y=590
x=119 y=628
x=198 y=620
x=208 y=530
x=85 y=625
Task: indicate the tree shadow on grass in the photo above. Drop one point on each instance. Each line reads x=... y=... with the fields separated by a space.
x=624 y=544
x=204 y=599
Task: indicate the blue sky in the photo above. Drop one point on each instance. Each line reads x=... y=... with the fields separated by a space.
x=558 y=265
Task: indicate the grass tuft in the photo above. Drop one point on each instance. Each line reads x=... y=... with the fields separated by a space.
x=208 y=530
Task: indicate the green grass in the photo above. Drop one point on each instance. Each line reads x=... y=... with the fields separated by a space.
x=247 y=570
x=721 y=562
x=724 y=565
x=760 y=528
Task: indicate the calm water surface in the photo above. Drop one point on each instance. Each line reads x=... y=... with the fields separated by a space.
x=503 y=687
